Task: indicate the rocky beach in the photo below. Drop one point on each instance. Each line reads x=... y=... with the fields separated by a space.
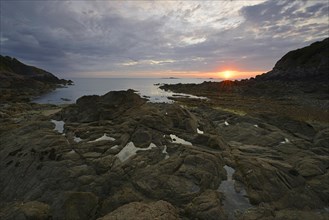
x=254 y=149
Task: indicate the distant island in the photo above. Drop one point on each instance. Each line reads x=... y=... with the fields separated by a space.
x=170 y=78
x=254 y=149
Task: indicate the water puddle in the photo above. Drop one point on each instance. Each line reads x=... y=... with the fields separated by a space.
x=77 y=139
x=286 y=141
x=178 y=140
x=199 y=131
x=59 y=126
x=130 y=150
x=233 y=200
x=103 y=138
x=164 y=151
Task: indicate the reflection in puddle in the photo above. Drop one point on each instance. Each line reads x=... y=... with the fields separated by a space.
x=233 y=200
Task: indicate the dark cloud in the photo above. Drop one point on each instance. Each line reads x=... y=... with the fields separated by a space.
x=71 y=37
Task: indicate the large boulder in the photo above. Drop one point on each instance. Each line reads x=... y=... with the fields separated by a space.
x=208 y=206
x=106 y=107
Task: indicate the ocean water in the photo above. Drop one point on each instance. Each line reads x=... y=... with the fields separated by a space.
x=99 y=86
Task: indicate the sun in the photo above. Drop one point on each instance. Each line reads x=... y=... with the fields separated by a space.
x=227 y=74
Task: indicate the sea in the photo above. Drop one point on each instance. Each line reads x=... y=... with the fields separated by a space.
x=145 y=87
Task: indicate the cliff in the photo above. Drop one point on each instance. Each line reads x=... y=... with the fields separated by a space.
x=19 y=81
x=310 y=63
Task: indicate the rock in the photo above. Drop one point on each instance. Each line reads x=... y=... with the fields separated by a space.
x=321 y=139
x=179 y=179
x=259 y=213
x=75 y=205
x=142 y=138
x=208 y=205
x=156 y=122
x=139 y=210
x=320 y=185
x=31 y=210
x=300 y=215
x=268 y=180
x=212 y=141
x=106 y=107
x=103 y=164
x=181 y=118
x=124 y=195
x=308 y=63
x=311 y=167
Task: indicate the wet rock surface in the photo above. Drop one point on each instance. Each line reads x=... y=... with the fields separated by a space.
x=119 y=157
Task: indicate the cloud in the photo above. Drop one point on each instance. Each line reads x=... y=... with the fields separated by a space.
x=148 y=37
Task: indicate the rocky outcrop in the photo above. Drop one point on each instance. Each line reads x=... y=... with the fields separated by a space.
x=120 y=157
x=310 y=63
x=106 y=107
x=20 y=82
x=115 y=152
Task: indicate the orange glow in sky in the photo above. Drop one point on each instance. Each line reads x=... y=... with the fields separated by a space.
x=230 y=74
x=227 y=74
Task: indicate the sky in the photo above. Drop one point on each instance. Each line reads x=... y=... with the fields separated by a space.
x=222 y=38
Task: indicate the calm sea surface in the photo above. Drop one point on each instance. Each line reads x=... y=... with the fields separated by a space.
x=100 y=86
